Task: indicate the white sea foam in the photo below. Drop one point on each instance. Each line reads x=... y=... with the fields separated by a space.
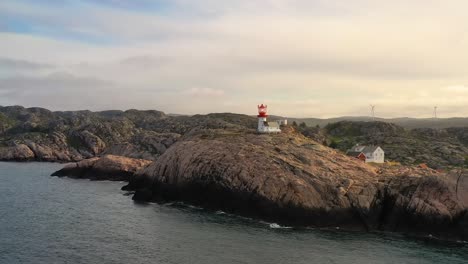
x=185 y=205
x=276 y=226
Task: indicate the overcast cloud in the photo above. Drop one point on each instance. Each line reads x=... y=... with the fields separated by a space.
x=311 y=58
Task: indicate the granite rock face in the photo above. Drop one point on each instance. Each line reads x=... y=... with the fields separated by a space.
x=293 y=180
x=108 y=167
x=78 y=135
x=218 y=161
x=290 y=179
x=19 y=152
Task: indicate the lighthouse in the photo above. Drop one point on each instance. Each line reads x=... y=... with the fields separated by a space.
x=263 y=125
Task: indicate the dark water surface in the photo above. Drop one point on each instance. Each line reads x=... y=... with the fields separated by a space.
x=59 y=220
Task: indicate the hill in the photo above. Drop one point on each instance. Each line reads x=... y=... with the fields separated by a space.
x=219 y=162
x=405 y=122
x=289 y=179
x=439 y=148
x=40 y=134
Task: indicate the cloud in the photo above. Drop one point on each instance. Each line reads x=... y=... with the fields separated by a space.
x=316 y=58
x=21 y=64
x=205 y=92
x=57 y=90
x=456 y=89
x=145 y=61
x=10 y=67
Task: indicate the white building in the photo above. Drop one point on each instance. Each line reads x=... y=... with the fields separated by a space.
x=263 y=125
x=282 y=122
x=373 y=154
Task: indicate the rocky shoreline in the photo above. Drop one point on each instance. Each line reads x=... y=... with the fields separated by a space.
x=37 y=134
x=291 y=180
x=218 y=161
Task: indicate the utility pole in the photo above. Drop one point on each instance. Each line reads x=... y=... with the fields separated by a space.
x=434 y=118
x=372 y=108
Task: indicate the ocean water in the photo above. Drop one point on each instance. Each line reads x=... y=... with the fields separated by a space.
x=46 y=219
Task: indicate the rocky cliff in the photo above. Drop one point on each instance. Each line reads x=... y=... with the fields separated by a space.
x=291 y=179
x=218 y=161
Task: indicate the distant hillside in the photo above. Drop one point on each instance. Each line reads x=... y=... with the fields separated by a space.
x=405 y=122
x=40 y=134
x=437 y=147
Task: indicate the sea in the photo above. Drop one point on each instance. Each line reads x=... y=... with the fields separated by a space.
x=46 y=219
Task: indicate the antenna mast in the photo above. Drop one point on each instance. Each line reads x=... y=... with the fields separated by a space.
x=435 y=112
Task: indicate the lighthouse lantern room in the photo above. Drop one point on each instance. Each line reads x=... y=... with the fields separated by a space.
x=263 y=125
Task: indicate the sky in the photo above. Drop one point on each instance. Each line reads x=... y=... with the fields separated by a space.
x=304 y=58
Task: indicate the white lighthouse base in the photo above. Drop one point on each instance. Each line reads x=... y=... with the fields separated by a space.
x=267 y=127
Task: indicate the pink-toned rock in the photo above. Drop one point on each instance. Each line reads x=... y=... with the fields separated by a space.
x=19 y=152
x=108 y=167
x=292 y=179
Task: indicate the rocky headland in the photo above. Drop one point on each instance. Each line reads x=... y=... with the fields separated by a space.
x=38 y=134
x=290 y=179
x=218 y=161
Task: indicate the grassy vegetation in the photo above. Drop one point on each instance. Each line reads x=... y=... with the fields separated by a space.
x=393 y=163
x=342 y=143
x=345 y=128
x=6 y=122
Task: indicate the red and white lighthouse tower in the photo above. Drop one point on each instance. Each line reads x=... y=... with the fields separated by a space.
x=263 y=125
x=262 y=118
x=262 y=111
